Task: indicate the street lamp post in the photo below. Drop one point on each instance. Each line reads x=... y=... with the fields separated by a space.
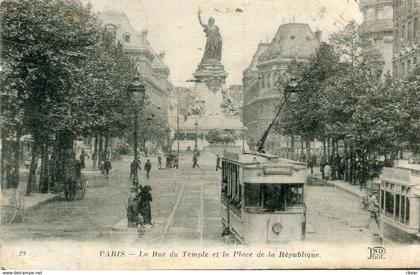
x=196 y=136
x=137 y=86
x=291 y=89
x=169 y=148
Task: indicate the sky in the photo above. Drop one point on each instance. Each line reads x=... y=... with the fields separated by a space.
x=174 y=28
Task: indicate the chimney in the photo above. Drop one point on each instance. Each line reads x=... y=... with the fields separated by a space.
x=318 y=35
x=144 y=36
x=161 y=56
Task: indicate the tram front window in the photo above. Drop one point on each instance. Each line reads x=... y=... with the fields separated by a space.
x=273 y=197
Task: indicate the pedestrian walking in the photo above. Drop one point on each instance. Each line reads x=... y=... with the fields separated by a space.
x=82 y=159
x=218 y=163
x=132 y=207
x=373 y=208
x=135 y=167
x=176 y=161
x=107 y=167
x=311 y=163
x=160 y=162
x=144 y=207
x=322 y=165
x=148 y=167
x=195 y=161
x=327 y=171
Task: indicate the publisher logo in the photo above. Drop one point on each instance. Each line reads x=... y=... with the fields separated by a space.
x=376 y=253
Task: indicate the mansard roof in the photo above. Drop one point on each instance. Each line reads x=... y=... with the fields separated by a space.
x=138 y=39
x=292 y=40
x=262 y=47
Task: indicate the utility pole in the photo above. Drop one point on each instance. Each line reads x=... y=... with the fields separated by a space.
x=177 y=127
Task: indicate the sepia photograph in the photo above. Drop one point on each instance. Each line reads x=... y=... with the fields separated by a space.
x=209 y=134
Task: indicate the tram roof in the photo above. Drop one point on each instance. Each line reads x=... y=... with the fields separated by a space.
x=402 y=176
x=255 y=158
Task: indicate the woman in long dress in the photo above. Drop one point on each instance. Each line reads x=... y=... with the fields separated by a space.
x=144 y=205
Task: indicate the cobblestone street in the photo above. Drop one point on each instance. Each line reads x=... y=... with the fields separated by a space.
x=185 y=208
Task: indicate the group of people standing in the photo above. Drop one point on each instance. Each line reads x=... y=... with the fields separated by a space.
x=139 y=211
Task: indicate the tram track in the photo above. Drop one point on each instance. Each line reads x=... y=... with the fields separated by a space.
x=174 y=209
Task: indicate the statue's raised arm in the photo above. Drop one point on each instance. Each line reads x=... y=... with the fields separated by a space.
x=199 y=18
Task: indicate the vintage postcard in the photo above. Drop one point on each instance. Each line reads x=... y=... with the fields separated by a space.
x=210 y=134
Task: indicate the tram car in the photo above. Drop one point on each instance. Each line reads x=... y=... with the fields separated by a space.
x=399 y=204
x=263 y=198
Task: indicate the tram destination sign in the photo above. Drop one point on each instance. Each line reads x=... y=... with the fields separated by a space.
x=282 y=170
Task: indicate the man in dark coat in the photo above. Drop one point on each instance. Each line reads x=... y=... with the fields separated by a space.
x=82 y=159
x=218 y=163
x=107 y=167
x=195 y=161
x=160 y=162
x=135 y=167
x=144 y=207
x=148 y=167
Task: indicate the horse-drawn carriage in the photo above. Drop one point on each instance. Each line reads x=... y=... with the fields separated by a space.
x=75 y=182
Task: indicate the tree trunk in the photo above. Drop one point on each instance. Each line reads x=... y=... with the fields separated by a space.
x=3 y=153
x=301 y=142
x=333 y=160
x=32 y=169
x=65 y=145
x=324 y=148
x=44 y=179
x=16 y=177
x=292 y=143
x=328 y=151
x=100 y=151
x=106 y=147
x=351 y=172
x=346 y=163
x=95 y=154
x=308 y=148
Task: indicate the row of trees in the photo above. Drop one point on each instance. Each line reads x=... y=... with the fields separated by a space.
x=347 y=101
x=63 y=76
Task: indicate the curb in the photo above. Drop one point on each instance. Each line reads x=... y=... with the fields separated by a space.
x=339 y=186
x=41 y=203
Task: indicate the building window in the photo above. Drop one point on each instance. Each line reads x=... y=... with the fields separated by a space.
x=127 y=37
x=379 y=14
x=402 y=216
x=407 y=211
x=389 y=204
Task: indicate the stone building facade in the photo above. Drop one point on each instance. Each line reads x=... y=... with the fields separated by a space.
x=260 y=96
x=406 y=36
x=378 y=24
x=150 y=64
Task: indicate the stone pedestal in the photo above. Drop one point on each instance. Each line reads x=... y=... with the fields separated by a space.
x=212 y=73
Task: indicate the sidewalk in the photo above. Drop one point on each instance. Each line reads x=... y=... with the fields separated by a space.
x=15 y=200
x=345 y=186
x=11 y=198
